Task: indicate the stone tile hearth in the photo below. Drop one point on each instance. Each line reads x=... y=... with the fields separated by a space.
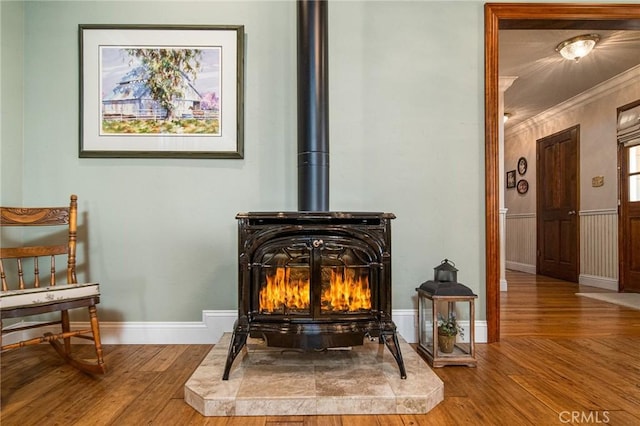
x=268 y=381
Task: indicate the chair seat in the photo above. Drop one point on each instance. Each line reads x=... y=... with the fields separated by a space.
x=12 y=299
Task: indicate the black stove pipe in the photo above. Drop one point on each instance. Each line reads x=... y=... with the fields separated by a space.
x=313 y=106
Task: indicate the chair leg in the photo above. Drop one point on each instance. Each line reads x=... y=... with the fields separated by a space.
x=95 y=328
x=66 y=327
x=94 y=367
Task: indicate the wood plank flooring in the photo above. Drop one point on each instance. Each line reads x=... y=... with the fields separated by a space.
x=562 y=359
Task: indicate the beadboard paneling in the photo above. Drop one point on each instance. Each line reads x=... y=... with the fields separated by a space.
x=599 y=243
x=521 y=242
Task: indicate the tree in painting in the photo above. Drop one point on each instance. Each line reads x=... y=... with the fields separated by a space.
x=165 y=71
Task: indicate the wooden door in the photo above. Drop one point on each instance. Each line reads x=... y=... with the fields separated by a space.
x=629 y=160
x=557 y=205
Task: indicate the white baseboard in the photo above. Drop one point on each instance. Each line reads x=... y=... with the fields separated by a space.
x=406 y=321
x=600 y=282
x=522 y=267
x=207 y=331
x=503 y=285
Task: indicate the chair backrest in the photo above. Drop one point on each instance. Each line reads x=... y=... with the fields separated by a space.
x=65 y=217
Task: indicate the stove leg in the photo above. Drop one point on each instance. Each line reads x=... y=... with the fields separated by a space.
x=390 y=340
x=238 y=340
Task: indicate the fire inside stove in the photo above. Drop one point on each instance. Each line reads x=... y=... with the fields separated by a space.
x=343 y=289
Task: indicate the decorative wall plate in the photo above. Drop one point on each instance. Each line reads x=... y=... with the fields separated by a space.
x=522 y=166
x=523 y=186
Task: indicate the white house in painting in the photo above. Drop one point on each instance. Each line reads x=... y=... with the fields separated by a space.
x=131 y=98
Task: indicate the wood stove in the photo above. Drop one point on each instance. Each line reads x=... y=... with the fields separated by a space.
x=314 y=280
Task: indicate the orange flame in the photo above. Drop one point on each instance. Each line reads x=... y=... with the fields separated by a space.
x=347 y=291
x=281 y=292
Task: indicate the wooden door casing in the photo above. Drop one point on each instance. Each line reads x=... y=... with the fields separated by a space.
x=629 y=224
x=557 y=205
x=529 y=16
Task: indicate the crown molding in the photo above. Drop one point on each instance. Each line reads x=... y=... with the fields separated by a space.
x=620 y=81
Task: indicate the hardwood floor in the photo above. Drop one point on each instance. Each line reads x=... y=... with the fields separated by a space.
x=562 y=359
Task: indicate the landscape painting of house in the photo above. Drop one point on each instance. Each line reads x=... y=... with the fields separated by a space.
x=160 y=90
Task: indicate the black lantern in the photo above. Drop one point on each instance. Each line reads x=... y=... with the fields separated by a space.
x=446 y=319
x=445 y=271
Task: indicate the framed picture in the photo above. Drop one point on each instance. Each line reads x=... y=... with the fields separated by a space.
x=161 y=91
x=511 y=179
x=523 y=186
x=522 y=166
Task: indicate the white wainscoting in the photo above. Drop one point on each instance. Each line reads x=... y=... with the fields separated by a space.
x=521 y=242
x=599 y=248
x=209 y=330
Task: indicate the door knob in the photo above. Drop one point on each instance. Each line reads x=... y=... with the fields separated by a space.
x=572 y=212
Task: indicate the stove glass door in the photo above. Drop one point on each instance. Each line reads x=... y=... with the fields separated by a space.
x=314 y=277
x=285 y=283
x=346 y=276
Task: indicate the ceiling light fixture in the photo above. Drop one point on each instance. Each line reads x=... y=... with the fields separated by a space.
x=577 y=47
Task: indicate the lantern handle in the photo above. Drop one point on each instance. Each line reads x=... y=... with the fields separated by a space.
x=448 y=261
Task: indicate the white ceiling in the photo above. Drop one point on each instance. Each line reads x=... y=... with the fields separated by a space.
x=546 y=79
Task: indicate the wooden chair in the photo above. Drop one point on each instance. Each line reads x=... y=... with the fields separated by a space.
x=25 y=296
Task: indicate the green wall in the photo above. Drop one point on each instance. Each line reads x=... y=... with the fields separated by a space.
x=407 y=137
x=11 y=101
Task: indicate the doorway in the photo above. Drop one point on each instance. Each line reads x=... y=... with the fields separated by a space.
x=629 y=240
x=557 y=204
x=531 y=16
